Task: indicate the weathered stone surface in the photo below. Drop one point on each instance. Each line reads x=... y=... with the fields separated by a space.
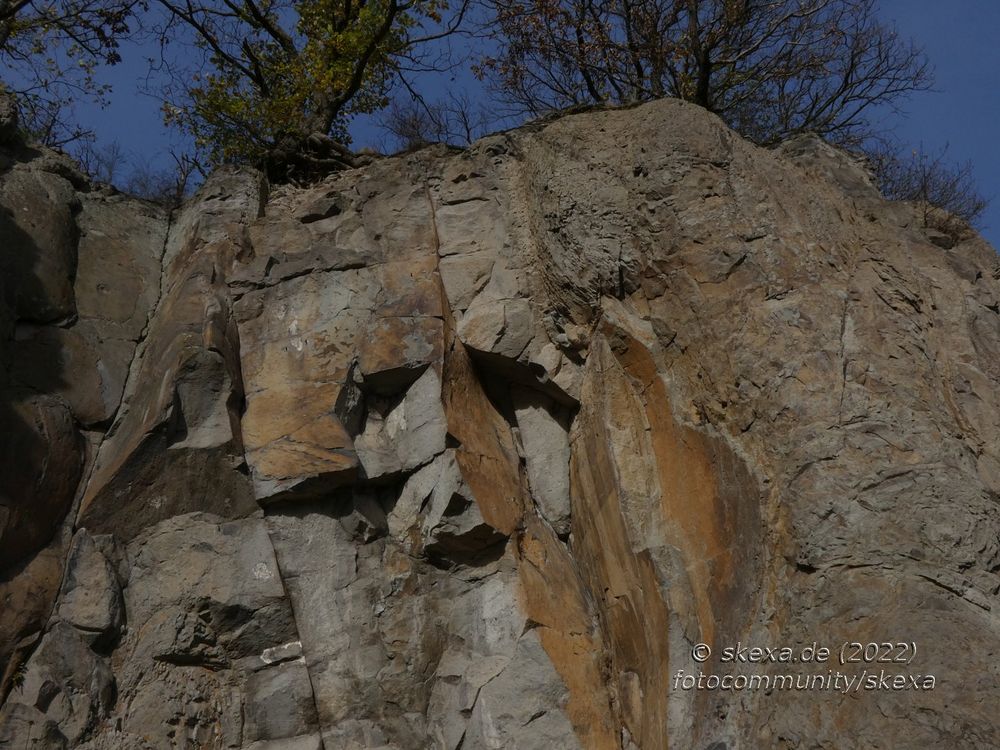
x=279 y=704
x=117 y=285
x=297 y=340
x=522 y=706
x=27 y=727
x=527 y=422
x=180 y=413
x=67 y=682
x=464 y=276
x=118 y=265
x=207 y=613
x=437 y=514
x=397 y=349
x=309 y=742
x=87 y=372
x=75 y=301
x=178 y=563
x=503 y=328
x=91 y=599
x=27 y=595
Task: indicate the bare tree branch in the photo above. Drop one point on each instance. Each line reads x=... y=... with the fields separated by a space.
x=771 y=68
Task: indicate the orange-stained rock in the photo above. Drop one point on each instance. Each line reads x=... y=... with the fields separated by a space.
x=486 y=452
x=397 y=349
x=609 y=476
x=555 y=597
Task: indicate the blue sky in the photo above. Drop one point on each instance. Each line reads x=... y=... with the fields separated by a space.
x=960 y=38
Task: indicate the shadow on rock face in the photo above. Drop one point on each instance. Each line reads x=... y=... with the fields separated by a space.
x=41 y=451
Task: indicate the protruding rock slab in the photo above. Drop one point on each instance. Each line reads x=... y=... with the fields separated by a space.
x=298 y=340
x=543 y=428
x=408 y=434
x=397 y=349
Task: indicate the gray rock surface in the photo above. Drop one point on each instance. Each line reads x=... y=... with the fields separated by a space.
x=544 y=433
x=467 y=450
x=67 y=682
x=90 y=599
x=400 y=437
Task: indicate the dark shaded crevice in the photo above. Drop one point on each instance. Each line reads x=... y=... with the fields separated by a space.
x=333 y=210
x=27 y=285
x=497 y=374
x=477 y=549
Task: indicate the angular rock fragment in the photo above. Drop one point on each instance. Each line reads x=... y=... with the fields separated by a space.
x=90 y=599
x=279 y=703
x=408 y=434
x=437 y=515
x=67 y=682
x=396 y=350
x=523 y=703
x=297 y=347
x=545 y=438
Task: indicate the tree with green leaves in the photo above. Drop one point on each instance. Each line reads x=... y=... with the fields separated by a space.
x=275 y=81
x=49 y=54
x=769 y=68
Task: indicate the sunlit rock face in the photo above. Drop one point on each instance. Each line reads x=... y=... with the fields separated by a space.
x=469 y=449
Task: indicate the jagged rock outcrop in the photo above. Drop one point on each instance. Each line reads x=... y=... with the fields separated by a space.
x=468 y=449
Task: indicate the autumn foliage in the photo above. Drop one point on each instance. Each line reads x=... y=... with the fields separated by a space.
x=275 y=82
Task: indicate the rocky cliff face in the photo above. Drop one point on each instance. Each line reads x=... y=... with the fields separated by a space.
x=468 y=449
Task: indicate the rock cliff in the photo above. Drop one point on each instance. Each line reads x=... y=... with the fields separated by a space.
x=469 y=449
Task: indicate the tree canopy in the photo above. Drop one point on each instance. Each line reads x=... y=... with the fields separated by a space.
x=49 y=53
x=275 y=81
x=770 y=68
